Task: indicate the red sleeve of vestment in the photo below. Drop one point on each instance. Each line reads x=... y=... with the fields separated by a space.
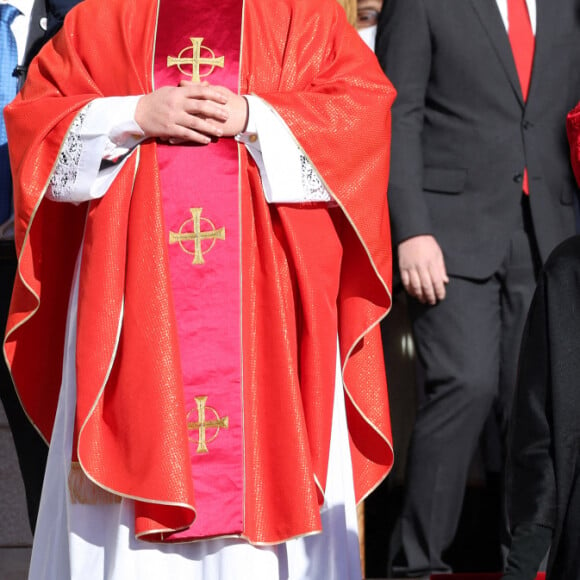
x=336 y=100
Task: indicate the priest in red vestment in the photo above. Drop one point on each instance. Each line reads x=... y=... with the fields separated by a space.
x=189 y=287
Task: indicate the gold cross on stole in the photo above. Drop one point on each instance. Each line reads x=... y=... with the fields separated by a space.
x=196 y=60
x=197 y=235
x=202 y=425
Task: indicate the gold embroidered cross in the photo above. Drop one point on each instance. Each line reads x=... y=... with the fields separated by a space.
x=197 y=235
x=196 y=60
x=202 y=424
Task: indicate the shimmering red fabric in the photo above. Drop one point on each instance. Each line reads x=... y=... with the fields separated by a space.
x=299 y=262
x=573 y=130
x=207 y=296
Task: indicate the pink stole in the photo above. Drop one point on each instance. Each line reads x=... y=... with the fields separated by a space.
x=201 y=206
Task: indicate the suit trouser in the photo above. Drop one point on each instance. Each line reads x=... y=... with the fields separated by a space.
x=30 y=448
x=467 y=346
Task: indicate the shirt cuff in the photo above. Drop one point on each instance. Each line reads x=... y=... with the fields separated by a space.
x=287 y=175
x=250 y=135
x=114 y=118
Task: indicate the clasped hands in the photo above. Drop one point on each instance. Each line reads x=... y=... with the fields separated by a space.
x=191 y=113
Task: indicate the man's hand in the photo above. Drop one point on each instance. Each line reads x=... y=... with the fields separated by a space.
x=188 y=113
x=422 y=269
x=237 y=108
x=192 y=112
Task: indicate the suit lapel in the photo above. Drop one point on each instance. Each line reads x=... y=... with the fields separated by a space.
x=493 y=25
x=37 y=27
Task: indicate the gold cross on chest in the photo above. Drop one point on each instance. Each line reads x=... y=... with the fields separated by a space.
x=196 y=60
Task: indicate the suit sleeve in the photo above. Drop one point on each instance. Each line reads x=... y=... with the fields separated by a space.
x=404 y=51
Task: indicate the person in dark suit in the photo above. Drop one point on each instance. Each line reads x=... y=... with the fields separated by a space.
x=543 y=491
x=39 y=21
x=481 y=191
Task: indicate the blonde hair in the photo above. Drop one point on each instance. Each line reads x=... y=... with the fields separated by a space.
x=350 y=8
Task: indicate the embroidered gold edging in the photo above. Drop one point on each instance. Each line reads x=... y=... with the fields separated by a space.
x=155 y=44
x=318 y=484
x=21 y=276
x=359 y=410
x=241 y=322
x=347 y=391
x=232 y=537
x=83 y=491
x=378 y=275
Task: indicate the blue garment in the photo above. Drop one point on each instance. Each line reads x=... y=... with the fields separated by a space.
x=8 y=88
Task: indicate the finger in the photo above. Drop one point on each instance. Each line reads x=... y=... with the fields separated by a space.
x=438 y=279
x=438 y=286
x=207 y=109
x=415 y=286
x=223 y=91
x=444 y=276
x=200 y=125
x=203 y=91
x=180 y=134
x=427 y=286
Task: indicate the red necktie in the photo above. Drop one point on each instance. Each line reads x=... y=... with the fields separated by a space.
x=522 y=40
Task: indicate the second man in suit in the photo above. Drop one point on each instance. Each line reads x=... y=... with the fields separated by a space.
x=481 y=191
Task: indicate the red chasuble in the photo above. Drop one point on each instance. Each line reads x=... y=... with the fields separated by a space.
x=149 y=360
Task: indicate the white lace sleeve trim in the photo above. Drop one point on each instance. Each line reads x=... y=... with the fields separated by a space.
x=287 y=174
x=105 y=130
x=66 y=170
x=312 y=187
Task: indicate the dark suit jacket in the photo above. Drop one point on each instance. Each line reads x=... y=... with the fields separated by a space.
x=46 y=18
x=462 y=133
x=543 y=483
x=37 y=30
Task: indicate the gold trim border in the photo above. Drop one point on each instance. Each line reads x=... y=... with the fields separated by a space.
x=241 y=270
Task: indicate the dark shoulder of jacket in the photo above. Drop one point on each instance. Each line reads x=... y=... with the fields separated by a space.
x=46 y=20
